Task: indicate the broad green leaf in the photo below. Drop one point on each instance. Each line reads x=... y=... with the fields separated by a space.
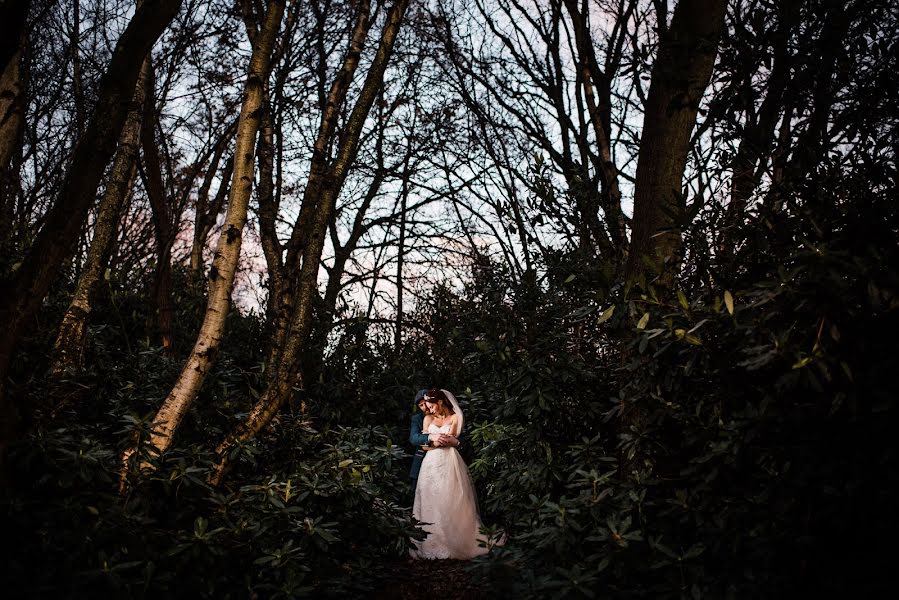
x=570 y=278
x=683 y=300
x=606 y=315
x=729 y=302
x=641 y=324
x=345 y=463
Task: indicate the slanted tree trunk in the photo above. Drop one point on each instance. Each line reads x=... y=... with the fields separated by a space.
x=12 y=110
x=54 y=243
x=680 y=74
x=224 y=265
x=283 y=305
x=206 y=212
x=268 y=212
x=68 y=350
x=316 y=225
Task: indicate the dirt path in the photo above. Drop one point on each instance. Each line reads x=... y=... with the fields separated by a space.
x=428 y=579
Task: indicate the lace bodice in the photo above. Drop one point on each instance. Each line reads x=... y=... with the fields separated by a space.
x=445 y=428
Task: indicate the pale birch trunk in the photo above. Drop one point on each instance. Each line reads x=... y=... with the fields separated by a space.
x=287 y=368
x=68 y=350
x=224 y=265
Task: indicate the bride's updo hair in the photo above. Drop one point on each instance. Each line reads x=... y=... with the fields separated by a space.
x=437 y=397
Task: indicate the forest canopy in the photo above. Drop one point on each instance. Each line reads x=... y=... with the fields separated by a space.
x=652 y=248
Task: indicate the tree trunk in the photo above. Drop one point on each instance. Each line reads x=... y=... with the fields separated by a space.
x=400 y=255
x=224 y=266
x=203 y=224
x=161 y=209
x=283 y=305
x=268 y=212
x=780 y=161
x=288 y=374
x=594 y=80
x=342 y=253
x=679 y=78
x=12 y=121
x=68 y=351
x=204 y=212
x=54 y=244
x=13 y=17
x=77 y=83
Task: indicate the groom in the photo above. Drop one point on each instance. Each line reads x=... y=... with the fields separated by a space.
x=418 y=439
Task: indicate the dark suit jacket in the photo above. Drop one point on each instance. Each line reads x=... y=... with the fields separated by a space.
x=417 y=439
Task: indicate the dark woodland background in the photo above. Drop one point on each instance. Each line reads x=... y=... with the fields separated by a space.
x=651 y=247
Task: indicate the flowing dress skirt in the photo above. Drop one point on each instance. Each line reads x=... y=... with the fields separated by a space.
x=446 y=503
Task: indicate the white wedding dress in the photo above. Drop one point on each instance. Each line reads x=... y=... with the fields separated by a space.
x=445 y=502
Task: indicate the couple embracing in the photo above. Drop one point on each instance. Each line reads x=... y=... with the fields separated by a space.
x=445 y=500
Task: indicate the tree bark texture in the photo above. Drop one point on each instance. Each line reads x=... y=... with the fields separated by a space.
x=224 y=265
x=12 y=121
x=679 y=78
x=161 y=209
x=287 y=368
x=68 y=350
x=54 y=243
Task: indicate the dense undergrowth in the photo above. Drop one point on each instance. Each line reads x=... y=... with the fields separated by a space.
x=728 y=438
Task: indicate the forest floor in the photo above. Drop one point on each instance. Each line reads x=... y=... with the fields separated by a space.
x=430 y=579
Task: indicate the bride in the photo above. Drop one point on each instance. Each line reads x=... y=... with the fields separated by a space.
x=445 y=499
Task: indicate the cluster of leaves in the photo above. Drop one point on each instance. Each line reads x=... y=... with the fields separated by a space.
x=307 y=508
x=319 y=521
